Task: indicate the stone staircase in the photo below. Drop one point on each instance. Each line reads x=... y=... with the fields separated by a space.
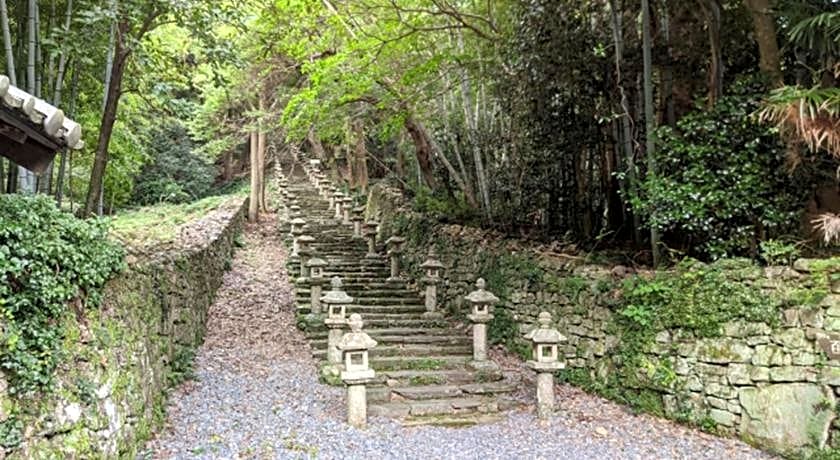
x=423 y=375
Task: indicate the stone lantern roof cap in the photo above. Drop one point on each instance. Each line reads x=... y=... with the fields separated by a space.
x=336 y=295
x=480 y=296
x=316 y=262
x=395 y=240
x=544 y=333
x=431 y=262
x=298 y=221
x=355 y=340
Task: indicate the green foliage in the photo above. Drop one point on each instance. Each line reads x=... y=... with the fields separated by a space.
x=47 y=260
x=693 y=297
x=504 y=330
x=181 y=369
x=159 y=223
x=722 y=185
x=779 y=252
x=443 y=208
x=175 y=174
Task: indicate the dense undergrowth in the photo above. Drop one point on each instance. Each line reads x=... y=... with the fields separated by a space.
x=51 y=264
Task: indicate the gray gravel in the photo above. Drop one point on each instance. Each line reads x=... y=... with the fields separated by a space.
x=256 y=395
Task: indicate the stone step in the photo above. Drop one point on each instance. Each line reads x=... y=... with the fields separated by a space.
x=434 y=407
x=458 y=376
x=405 y=331
x=421 y=392
x=417 y=322
x=455 y=421
x=355 y=292
x=386 y=363
x=365 y=310
x=404 y=350
x=409 y=339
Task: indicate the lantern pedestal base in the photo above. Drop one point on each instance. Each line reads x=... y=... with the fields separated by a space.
x=356 y=405
x=545 y=386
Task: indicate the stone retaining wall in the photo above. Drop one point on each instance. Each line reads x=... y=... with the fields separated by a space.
x=119 y=360
x=772 y=385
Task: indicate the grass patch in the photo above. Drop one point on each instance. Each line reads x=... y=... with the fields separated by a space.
x=160 y=223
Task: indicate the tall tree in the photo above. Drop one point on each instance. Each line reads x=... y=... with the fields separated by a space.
x=765 y=35
x=650 y=122
x=133 y=22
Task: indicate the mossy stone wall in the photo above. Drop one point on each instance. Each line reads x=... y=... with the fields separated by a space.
x=768 y=382
x=119 y=360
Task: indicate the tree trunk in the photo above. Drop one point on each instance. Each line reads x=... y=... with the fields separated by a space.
x=261 y=170
x=227 y=171
x=109 y=116
x=10 y=71
x=422 y=149
x=59 y=188
x=626 y=132
x=472 y=131
x=765 y=35
x=650 y=143
x=360 y=156
x=254 y=200
x=26 y=180
x=7 y=43
x=711 y=10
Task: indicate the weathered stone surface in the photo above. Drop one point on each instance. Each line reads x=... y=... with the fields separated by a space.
x=738 y=374
x=722 y=417
x=787 y=416
x=792 y=339
x=724 y=351
x=770 y=355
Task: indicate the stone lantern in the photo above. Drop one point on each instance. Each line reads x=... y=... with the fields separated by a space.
x=331 y=191
x=346 y=206
x=336 y=301
x=304 y=252
x=358 y=218
x=296 y=224
x=370 y=232
x=394 y=245
x=355 y=346
x=338 y=198
x=316 y=280
x=325 y=188
x=294 y=210
x=432 y=266
x=545 y=362
x=481 y=302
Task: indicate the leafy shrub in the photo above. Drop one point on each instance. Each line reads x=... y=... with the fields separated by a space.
x=47 y=259
x=176 y=174
x=694 y=297
x=722 y=184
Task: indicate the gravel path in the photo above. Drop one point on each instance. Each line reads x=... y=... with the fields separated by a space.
x=256 y=395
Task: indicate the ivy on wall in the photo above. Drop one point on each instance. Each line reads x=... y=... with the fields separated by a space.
x=49 y=260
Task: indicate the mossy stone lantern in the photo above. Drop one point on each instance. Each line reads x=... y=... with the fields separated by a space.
x=482 y=301
x=433 y=267
x=357 y=372
x=395 y=248
x=316 y=280
x=304 y=252
x=337 y=302
x=358 y=218
x=545 y=363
